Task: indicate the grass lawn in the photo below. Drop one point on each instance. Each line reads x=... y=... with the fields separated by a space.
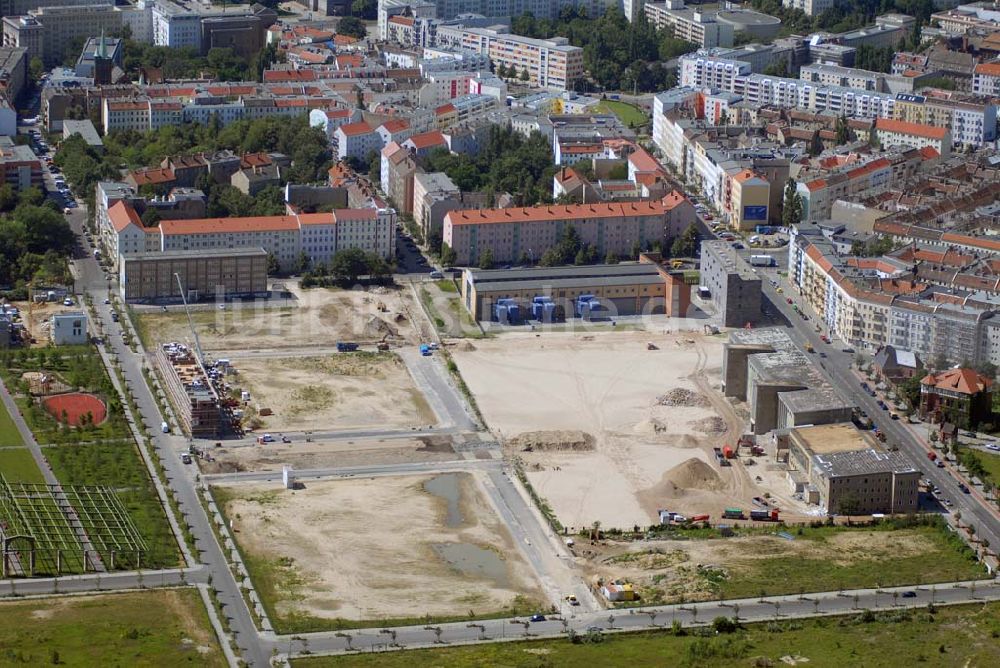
x=949 y=559
x=956 y=636
x=155 y=628
x=991 y=463
x=446 y=285
x=628 y=114
x=19 y=466
x=9 y=435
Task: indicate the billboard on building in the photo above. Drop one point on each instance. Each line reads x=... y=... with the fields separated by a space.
x=755 y=212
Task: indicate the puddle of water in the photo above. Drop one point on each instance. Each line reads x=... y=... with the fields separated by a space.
x=445 y=486
x=474 y=561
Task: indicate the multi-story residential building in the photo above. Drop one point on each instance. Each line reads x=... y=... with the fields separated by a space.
x=856 y=176
x=692 y=25
x=395 y=130
x=356 y=140
x=125 y=234
x=13 y=72
x=425 y=143
x=851 y=77
x=47 y=32
x=125 y=115
x=318 y=235
x=809 y=7
x=512 y=233
x=970 y=121
x=915 y=135
x=962 y=397
x=242 y=28
x=398 y=168
x=960 y=20
x=750 y=196
x=429 y=189
x=986 y=79
x=20 y=168
x=549 y=63
x=331 y=119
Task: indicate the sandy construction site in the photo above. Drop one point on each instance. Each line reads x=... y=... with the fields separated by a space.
x=387 y=547
x=610 y=430
x=333 y=392
x=316 y=317
x=328 y=454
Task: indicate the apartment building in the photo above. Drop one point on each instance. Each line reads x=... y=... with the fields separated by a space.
x=809 y=7
x=318 y=235
x=609 y=227
x=20 y=168
x=13 y=72
x=356 y=140
x=986 y=79
x=692 y=25
x=873 y=302
x=970 y=121
x=47 y=32
x=428 y=190
x=891 y=132
x=397 y=171
x=331 y=119
x=550 y=63
x=126 y=235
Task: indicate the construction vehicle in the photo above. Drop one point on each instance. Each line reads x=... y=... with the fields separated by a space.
x=346 y=347
x=809 y=348
x=764 y=515
x=733 y=514
x=381 y=307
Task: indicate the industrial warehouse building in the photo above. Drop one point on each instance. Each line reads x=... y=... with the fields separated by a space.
x=229 y=273
x=621 y=289
x=846 y=471
x=780 y=385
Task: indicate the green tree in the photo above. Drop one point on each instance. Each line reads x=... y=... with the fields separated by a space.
x=352 y=27
x=365 y=9
x=448 y=256
x=273 y=266
x=348 y=265
x=8 y=198
x=815 y=144
x=611 y=258
x=686 y=245
x=486 y=259
x=524 y=76
x=843 y=131
x=36 y=68
x=791 y=210
x=150 y=217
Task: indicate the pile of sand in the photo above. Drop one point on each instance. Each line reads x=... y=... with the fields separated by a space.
x=377 y=327
x=560 y=439
x=709 y=425
x=693 y=474
x=680 y=396
x=465 y=347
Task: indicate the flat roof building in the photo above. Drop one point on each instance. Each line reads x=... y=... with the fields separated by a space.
x=733 y=285
x=850 y=472
x=205 y=274
x=86 y=130
x=622 y=289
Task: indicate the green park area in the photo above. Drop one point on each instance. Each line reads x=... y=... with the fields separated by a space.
x=8 y=431
x=629 y=114
x=955 y=636
x=154 y=628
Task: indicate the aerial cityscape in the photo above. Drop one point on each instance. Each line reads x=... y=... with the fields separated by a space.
x=510 y=333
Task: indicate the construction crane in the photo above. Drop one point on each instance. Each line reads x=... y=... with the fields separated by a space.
x=194 y=332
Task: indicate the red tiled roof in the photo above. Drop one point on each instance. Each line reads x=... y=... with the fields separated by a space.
x=905 y=128
x=559 y=212
x=122 y=215
x=355 y=129
x=228 y=225
x=989 y=69
x=396 y=125
x=964 y=381
x=155 y=176
x=427 y=139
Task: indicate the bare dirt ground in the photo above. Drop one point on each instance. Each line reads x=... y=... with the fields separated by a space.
x=653 y=417
x=317 y=317
x=38 y=320
x=332 y=454
x=684 y=568
x=369 y=549
x=333 y=392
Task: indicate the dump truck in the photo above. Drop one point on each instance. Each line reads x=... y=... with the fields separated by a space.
x=733 y=514
x=764 y=515
x=346 y=347
x=728 y=452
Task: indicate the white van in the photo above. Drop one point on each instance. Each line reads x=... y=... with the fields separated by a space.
x=165 y=428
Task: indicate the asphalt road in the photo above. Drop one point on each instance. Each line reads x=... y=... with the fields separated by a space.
x=747 y=610
x=838 y=369
x=180 y=478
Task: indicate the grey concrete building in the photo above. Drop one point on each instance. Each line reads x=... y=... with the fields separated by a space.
x=733 y=285
x=780 y=385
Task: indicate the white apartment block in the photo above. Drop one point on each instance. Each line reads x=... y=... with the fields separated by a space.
x=986 y=79
x=550 y=63
x=356 y=140
x=810 y=7
x=692 y=25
